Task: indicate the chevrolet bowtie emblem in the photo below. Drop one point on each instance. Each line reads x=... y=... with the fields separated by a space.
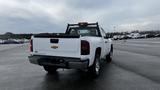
x=54 y=47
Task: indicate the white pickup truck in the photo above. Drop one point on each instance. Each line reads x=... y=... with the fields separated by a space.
x=83 y=46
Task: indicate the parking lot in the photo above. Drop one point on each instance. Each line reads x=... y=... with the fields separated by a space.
x=135 y=66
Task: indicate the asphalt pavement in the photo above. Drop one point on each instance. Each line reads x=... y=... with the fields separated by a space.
x=135 y=66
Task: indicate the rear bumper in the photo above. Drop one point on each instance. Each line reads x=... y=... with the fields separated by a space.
x=61 y=62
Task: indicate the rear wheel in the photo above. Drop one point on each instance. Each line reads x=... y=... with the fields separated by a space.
x=110 y=55
x=94 y=70
x=50 y=69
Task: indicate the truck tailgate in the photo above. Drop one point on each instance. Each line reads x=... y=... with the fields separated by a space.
x=65 y=47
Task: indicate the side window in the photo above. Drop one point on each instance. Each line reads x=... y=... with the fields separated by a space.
x=73 y=32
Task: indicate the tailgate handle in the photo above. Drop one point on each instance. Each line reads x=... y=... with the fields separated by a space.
x=54 y=40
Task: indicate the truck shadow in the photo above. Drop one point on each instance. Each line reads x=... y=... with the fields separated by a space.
x=76 y=80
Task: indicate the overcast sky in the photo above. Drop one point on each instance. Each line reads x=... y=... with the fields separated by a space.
x=34 y=16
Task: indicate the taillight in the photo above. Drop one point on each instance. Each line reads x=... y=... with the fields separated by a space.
x=31 y=45
x=85 y=47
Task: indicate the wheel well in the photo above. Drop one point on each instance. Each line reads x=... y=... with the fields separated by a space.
x=98 y=51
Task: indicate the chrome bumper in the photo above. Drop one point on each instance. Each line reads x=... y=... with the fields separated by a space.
x=61 y=62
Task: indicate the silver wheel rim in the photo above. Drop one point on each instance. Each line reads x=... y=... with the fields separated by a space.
x=97 y=66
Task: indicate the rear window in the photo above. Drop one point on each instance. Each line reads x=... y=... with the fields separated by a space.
x=84 y=31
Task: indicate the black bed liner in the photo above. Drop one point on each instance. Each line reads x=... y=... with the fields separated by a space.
x=55 y=35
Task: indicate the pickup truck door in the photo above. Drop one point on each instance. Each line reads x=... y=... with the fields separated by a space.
x=106 y=45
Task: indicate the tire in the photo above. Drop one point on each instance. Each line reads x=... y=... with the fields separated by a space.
x=94 y=70
x=110 y=55
x=50 y=69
